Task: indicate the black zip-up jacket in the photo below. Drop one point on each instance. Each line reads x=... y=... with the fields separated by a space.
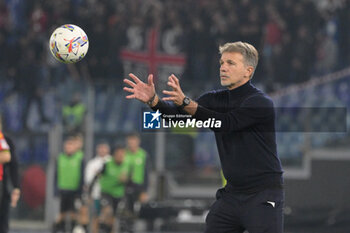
x=246 y=140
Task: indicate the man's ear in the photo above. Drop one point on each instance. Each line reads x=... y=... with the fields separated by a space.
x=249 y=71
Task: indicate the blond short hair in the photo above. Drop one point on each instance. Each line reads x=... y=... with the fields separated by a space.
x=248 y=51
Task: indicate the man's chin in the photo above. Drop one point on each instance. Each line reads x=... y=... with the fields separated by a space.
x=225 y=84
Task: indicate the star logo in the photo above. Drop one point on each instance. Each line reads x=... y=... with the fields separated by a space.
x=151 y=120
x=155 y=115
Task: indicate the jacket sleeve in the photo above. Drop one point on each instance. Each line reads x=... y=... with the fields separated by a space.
x=169 y=108
x=89 y=173
x=255 y=109
x=13 y=164
x=166 y=107
x=95 y=178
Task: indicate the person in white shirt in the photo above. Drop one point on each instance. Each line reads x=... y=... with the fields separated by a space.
x=93 y=167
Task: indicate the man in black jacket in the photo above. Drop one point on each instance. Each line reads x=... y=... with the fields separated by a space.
x=253 y=197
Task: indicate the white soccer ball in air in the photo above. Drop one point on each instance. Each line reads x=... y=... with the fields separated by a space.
x=69 y=43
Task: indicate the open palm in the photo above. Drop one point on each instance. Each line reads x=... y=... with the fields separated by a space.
x=140 y=90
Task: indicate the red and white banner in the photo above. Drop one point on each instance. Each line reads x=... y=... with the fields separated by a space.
x=154 y=52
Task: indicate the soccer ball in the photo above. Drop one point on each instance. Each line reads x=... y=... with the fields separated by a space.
x=69 y=43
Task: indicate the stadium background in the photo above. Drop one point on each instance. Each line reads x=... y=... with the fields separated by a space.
x=304 y=50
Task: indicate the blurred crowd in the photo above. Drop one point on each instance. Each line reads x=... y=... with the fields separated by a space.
x=295 y=38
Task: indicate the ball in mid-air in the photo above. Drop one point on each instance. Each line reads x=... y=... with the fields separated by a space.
x=69 y=43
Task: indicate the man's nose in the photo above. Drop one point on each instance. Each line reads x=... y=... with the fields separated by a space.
x=223 y=68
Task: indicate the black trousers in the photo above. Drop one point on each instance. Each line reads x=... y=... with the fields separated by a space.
x=133 y=192
x=4 y=213
x=1 y=191
x=261 y=212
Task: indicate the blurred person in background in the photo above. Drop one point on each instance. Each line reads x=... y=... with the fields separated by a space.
x=5 y=157
x=112 y=179
x=69 y=180
x=79 y=142
x=253 y=197
x=137 y=159
x=10 y=174
x=93 y=167
x=73 y=114
x=29 y=86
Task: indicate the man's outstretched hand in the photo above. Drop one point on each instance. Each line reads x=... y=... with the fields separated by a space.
x=140 y=90
x=176 y=95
